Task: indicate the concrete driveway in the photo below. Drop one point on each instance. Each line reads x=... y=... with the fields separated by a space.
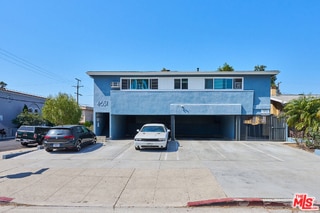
x=115 y=175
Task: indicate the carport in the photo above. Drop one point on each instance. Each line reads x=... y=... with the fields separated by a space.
x=204 y=126
x=125 y=126
x=182 y=126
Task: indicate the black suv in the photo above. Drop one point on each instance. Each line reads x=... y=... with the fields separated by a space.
x=68 y=137
x=31 y=134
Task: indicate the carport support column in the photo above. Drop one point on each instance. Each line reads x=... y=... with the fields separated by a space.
x=173 y=128
x=238 y=128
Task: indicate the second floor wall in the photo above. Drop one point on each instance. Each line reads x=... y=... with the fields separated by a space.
x=246 y=95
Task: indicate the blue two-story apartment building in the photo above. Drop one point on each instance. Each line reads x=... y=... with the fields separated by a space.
x=220 y=105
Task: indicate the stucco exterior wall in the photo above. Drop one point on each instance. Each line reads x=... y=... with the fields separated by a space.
x=12 y=103
x=182 y=102
x=252 y=98
x=261 y=86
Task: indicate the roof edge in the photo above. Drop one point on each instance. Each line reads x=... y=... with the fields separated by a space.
x=178 y=73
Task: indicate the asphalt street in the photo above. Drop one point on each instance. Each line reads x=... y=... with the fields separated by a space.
x=7 y=144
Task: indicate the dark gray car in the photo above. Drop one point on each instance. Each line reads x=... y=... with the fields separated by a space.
x=68 y=137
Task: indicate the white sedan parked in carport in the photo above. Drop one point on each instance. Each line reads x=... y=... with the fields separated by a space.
x=152 y=136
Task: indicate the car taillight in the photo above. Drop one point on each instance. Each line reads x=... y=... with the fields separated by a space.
x=71 y=137
x=46 y=137
x=34 y=135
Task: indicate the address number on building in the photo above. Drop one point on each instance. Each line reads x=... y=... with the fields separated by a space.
x=102 y=103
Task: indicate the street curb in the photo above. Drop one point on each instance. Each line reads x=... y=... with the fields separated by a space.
x=15 y=154
x=242 y=202
x=5 y=199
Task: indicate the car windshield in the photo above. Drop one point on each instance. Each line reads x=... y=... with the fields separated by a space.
x=59 y=132
x=152 y=129
x=26 y=128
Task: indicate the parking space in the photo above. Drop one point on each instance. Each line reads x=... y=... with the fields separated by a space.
x=115 y=174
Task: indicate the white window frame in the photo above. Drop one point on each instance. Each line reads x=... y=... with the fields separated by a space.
x=180 y=84
x=233 y=83
x=129 y=83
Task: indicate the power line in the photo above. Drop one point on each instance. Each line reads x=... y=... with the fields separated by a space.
x=23 y=100
x=11 y=58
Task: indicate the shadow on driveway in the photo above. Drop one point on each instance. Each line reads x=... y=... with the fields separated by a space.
x=24 y=174
x=84 y=149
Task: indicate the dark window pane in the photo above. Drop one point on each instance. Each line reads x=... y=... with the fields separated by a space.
x=125 y=84
x=177 y=84
x=208 y=84
x=184 y=83
x=154 y=83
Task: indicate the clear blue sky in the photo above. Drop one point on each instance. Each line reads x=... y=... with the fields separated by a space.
x=46 y=44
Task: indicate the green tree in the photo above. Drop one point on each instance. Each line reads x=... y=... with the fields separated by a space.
x=225 y=68
x=62 y=109
x=296 y=114
x=2 y=85
x=273 y=81
x=25 y=108
x=260 y=68
x=28 y=118
x=165 y=70
x=303 y=116
x=263 y=68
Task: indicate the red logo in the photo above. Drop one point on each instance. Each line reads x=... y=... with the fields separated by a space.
x=304 y=202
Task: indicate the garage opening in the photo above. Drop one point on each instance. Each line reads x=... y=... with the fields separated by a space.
x=186 y=126
x=134 y=122
x=209 y=127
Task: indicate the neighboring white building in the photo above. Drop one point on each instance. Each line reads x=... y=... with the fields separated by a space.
x=87 y=114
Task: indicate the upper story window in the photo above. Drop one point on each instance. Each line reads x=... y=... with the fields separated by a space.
x=237 y=83
x=181 y=83
x=125 y=84
x=223 y=83
x=153 y=83
x=139 y=84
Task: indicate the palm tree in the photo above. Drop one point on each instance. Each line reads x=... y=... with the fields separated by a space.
x=303 y=115
x=295 y=113
x=260 y=68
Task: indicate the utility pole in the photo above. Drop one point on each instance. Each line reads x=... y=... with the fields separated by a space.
x=78 y=86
